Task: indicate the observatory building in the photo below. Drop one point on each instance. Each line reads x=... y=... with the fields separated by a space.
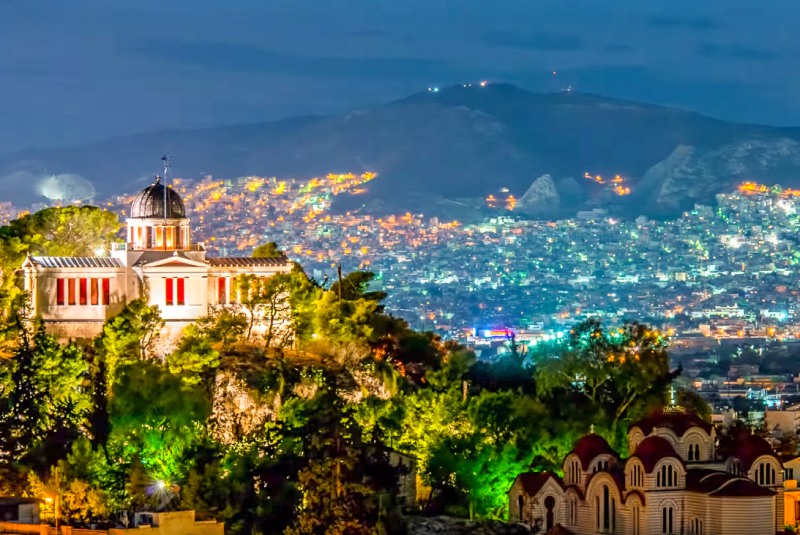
x=74 y=296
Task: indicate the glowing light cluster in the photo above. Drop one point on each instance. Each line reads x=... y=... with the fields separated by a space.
x=754 y=188
x=616 y=184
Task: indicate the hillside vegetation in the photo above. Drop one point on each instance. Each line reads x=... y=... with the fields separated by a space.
x=289 y=431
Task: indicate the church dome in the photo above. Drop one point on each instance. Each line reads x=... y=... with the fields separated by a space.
x=149 y=203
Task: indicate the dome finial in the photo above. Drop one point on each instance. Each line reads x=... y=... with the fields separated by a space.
x=158 y=179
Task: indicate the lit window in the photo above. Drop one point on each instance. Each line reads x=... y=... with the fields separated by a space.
x=60 y=295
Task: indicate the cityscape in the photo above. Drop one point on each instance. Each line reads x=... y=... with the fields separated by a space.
x=430 y=268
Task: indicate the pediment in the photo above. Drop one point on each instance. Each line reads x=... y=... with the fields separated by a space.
x=173 y=262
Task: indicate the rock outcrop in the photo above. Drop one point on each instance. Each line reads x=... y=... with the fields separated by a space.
x=541 y=198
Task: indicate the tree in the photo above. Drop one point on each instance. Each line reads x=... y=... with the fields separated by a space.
x=614 y=369
x=355 y=286
x=157 y=417
x=46 y=401
x=344 y=481
x=129 y=336
x=195 y=356
x=267 y=250
x=266 y=302
x=223 y=326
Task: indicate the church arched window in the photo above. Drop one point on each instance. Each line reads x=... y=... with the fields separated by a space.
x=667 y=517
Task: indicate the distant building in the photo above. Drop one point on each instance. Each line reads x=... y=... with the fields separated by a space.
x=19 y=511
x=406 y=479
x=74 y=296
x=673 y=483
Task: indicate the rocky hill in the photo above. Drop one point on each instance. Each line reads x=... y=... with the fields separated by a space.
x=458 y=143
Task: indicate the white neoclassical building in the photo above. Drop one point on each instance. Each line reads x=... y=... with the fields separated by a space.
x=674 y=482
x=74 y=296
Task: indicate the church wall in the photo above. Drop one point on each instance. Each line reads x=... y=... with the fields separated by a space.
x=695 y=505
x=745 y=515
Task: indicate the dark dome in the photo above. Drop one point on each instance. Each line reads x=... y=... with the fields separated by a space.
x=149 y=203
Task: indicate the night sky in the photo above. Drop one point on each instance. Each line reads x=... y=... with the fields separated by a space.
x=79 y=70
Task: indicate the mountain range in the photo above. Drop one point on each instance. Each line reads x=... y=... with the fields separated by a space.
x=442 y=151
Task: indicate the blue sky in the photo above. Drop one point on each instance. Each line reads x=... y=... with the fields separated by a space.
x=80 y=70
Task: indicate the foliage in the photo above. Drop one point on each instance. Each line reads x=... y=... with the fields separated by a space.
x=154 y=416
x=45 y=400
x=129 y=336
x=195 y=356
x=620 y=372
x=63 y=231
x=267 y=250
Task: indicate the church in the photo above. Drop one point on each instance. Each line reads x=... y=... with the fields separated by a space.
x=158 y=262
x=675 y=481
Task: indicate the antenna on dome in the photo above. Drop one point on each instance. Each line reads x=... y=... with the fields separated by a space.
x=165 y=159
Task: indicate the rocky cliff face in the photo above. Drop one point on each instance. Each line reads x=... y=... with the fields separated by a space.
x=691 y=175
x=541 y=198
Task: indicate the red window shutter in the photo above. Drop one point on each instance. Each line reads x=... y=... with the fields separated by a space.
x=106 y=291
x=60 y=300
x=222 y=297
x=170 y=300
x=71 y=291
x=83 y=292
x=94 y=293
x=181 y=295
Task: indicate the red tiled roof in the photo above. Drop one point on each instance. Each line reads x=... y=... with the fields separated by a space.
x=653 y=449
x=751 y=448
x=589 y=447
x=532 y=482
x=679 y=421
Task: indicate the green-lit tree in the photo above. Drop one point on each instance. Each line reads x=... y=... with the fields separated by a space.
x=156 y=417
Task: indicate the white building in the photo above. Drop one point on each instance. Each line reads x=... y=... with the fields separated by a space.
x=74 y=296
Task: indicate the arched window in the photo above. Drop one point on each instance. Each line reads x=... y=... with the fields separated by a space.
x=521 y=504
x=697 y=452
x=636 y=520
x=666 y=520
x=605 y=508
x=696 y=526
x=765 y=475
x=574 y=510
x=691 y=452
x=637 y=476
x=667 y=476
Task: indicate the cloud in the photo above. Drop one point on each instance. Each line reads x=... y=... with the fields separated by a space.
x=686 y=23
x=248 y=58
x=735 y=52
x=534 y=41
